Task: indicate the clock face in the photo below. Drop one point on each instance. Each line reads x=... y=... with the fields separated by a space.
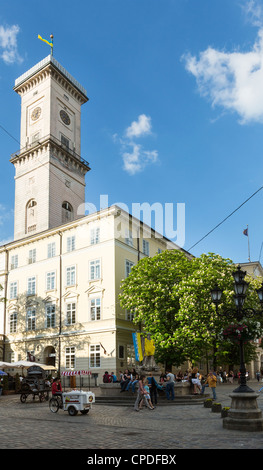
x=36 y=113
x=64 y=117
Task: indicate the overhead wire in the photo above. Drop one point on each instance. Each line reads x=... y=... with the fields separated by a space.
x=220 y=223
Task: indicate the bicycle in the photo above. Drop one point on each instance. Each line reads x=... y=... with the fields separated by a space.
x=55 y=403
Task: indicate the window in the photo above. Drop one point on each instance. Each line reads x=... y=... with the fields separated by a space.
x=31 y=216
x=67 y=212
x=94 y=236
x=51 y=250
x=130 y=315
x=64 y=141
x=128 y=267
x=145 y=247
x=31 y=319
x=94 y=357
x=13 y=322
x=71 y=243
x=94 y=269
x=71 y=313
x=71 y=276
x=121 y=351
x=13 y=290
x=70 y=358
x=32 y=256
x=50 y=316
x=51 y=280
x=128 y=237
x=95 y=309
x=31 y=286
x=14 y=261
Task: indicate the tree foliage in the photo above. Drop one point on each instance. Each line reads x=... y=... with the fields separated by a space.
x=170 y=295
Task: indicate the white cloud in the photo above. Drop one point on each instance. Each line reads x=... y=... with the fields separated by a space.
x=136 y=160
x=134 y=157
x=8 y=44
x=140 y=127
x=232 y=80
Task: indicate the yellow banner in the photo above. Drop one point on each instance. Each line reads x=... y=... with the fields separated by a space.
x=149 y=347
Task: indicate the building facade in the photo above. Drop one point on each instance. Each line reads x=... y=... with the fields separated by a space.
x=61 y=275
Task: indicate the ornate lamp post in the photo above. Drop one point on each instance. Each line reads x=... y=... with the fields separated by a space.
x=244 y=412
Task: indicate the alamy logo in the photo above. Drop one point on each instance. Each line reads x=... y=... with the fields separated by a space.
x=168 y=220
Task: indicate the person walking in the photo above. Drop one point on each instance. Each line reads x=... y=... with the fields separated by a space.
x=141 y=394
x=211 y=381
x=169 y=388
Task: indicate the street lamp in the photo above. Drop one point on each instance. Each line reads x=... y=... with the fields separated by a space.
x=244 y=413
x=240 y=288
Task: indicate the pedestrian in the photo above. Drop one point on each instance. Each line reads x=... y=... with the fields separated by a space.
x=258 y=375
x=141 y=395
x=127 y=376
x=169 y=388
x=147 y=396
x=196 y=380
x=153 y=388
x=211 y=381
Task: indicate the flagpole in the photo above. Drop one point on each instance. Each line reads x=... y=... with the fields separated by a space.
x=52 y=47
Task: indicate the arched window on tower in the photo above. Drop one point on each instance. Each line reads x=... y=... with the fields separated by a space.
x=31 y=216
x=67 y=212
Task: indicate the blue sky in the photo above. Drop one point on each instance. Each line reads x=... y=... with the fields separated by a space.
x=175 y=112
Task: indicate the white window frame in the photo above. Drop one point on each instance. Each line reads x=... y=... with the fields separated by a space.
x=14 y=261
x=71 y=243
x=94 y=236
x=71 y=313
x=31 y=285
x=128 y=267
x=51 y=280
x=70 y=357
x=94 y=356
x=13 y=322
x=71 y=272
x=50 y=312
x=13 y=292
x=32 y=256
x=95 y=309
x=51 y=250
x=31 y=319
x=145 y=247
x=128 y=237
x=95 y=269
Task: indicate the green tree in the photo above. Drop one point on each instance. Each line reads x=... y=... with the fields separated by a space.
x=148 y=290
x=170 y=295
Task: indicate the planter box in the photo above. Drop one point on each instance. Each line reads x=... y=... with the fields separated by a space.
x=216 y=408
x=224 y=413
x=208 y=403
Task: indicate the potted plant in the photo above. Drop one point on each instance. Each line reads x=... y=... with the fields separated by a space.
x=224 y=411
x=216 y=408
x=208 y=403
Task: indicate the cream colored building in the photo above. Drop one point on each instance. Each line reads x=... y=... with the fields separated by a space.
x=62 y=273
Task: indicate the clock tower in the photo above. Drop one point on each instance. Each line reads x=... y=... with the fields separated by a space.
x=49 y=171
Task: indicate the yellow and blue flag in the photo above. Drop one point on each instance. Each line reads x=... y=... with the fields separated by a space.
x=137 y=346
x=44 y=40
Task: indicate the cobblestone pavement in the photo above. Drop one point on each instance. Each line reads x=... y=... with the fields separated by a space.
x=32 y=426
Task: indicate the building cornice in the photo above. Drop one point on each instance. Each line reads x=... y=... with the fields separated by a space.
x=46 y=68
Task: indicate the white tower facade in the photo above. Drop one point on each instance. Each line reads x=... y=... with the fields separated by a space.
x=49 y=171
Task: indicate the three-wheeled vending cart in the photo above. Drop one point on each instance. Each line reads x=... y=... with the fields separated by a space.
x=72 y=402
